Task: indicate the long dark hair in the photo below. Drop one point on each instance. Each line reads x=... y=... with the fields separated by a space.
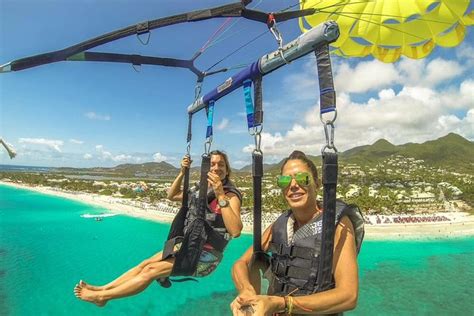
x=299 y=155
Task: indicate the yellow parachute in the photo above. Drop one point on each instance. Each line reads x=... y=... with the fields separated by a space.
x=388 y=29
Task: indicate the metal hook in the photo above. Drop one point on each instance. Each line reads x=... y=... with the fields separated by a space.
x=207 y=145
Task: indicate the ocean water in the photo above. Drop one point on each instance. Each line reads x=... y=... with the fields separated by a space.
x=46 y=248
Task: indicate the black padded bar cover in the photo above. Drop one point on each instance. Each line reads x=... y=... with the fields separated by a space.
x=326 y=82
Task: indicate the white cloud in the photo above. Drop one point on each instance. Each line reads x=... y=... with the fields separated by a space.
x=76 y=141
x=365 y=76
x=50 y=143
x=375 y=75
x=223 y=124
x=87 y=156
x=465 y=52
x=96 y=116
x=157 y=157
x=107 y=155
x=439 y=70
x=414 y=114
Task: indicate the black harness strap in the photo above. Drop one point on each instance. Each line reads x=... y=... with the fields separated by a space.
x=257 y=173
x=258 y=101
x=196 y=232
x=260 y=260
x=330 y=169
x=325 y=280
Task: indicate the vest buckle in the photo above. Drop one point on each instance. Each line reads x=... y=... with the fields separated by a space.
x=286 y=251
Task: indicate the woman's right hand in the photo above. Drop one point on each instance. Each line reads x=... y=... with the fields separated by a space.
x=185 y=163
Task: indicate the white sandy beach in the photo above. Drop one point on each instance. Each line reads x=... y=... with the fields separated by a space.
x=460 y=224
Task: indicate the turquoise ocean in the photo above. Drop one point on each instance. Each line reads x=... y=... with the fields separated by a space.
x=46 y=248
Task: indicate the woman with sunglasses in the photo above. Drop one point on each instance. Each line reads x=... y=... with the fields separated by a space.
x=293 y=242
x=224 y=201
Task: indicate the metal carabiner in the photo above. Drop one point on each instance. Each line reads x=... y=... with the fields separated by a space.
x=188 y=149
x=207 y=145
x=329 y=134
x=197 y=90
x=276 y=33
x=332 y=120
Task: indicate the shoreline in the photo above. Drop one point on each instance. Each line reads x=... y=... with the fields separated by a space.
x=461 y=225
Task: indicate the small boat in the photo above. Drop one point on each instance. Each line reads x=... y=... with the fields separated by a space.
x=98 y=217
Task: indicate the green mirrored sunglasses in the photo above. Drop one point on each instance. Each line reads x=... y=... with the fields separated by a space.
x=302 y=178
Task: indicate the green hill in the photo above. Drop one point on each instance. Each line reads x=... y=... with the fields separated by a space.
x=450 y=152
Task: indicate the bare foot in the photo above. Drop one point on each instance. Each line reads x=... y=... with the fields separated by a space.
x=87 y=295
x=90 y=287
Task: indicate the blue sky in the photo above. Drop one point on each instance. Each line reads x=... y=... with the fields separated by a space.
x=86 y=114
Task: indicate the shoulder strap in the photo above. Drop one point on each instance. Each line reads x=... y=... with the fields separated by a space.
x=353 y=212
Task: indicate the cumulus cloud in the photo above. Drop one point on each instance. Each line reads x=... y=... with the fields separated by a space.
x=414 y=114
x=50 y=143
x=87 y=156
x=157 y=157
x=223 y=124
x=374 y=75
x=365 y=76
x=97 y=116
x=76 y=141
x=108 y=156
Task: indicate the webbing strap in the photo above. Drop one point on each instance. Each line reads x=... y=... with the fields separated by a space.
x=329 y=217
x=190 y=135
x=258 y=110
x=210 y=118
x=254 y=112
x=257 y=173
x=326 y=82
x=205 y=167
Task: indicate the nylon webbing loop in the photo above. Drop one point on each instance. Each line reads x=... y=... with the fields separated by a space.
x=327 y=95
x=326 y=83
x=329 y=177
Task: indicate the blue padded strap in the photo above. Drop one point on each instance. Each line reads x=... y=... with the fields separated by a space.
x=249 y=103
x=210 y=117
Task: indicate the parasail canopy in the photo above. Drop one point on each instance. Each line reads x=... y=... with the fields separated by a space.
x=388 y=29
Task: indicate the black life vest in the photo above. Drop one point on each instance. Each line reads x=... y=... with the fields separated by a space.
x=192 y=231
x=214 y=220
x=294 y=266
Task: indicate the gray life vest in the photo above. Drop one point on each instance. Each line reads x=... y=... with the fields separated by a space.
x=294 y=265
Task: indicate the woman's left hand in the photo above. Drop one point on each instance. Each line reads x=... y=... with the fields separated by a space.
x=262 y=305
x=215 y=181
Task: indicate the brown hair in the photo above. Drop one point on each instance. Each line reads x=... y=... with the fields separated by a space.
x=226 y=160
x=299 y=155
